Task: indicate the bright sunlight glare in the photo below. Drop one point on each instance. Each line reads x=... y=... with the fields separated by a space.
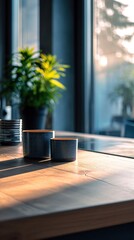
x=129 y=13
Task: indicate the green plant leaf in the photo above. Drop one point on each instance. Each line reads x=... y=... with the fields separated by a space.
x=57 y=83
x=32 y=78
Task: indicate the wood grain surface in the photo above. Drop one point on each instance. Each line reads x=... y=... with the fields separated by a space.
x=43 y=199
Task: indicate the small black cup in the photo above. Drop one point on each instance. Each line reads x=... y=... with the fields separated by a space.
x=64 y=149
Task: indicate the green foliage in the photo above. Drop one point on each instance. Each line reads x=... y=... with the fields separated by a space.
x=33 y=79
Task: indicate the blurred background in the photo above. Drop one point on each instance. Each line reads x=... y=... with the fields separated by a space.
x=96 y=38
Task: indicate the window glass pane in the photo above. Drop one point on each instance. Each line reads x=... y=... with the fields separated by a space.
x=29 y=23
x=25 y=29
x=113 y=59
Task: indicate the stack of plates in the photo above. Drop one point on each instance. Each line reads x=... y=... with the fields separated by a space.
x=10 y=131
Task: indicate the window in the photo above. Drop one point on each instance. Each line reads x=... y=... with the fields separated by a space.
x=29 y=23
x=113 y=55
x=25 y=29
x=25 y=24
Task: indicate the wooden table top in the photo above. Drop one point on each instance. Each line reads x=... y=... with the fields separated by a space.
x=42 y=199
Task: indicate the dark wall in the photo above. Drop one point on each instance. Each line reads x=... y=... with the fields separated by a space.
x=63 y=47
x=57 y=37
x=46 y=25
x=2 y=36
x=62 y=34
x=5 y=42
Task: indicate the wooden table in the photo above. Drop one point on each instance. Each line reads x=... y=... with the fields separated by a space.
x=43 y=199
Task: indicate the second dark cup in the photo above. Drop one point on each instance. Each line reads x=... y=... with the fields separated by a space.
x=64 y=149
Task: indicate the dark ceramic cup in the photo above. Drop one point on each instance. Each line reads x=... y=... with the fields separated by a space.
x=36 y=143
x=64 y=149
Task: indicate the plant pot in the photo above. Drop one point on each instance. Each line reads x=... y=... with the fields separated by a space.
x=128 y=128
x=34 y=118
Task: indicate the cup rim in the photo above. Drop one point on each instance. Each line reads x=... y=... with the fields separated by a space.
x=37 y=131
x=63 y=139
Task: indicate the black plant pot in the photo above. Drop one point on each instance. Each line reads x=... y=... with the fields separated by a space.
x=33 y=118
x=128 y=128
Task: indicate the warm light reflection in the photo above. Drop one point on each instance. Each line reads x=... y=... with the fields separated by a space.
x=103 y=61
x=52 y=180
x=129 y=10
x=129 y=13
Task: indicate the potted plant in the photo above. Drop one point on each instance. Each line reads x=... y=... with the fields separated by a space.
x=33 y=83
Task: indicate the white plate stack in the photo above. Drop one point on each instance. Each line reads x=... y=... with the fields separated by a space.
x=10 y=131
